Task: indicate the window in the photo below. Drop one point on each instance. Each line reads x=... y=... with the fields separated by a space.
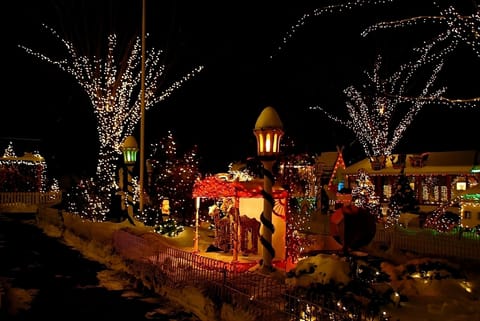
x=461 y=186
x=467 y=215
x=387 y=191
x=425 y=193
x=443 y=193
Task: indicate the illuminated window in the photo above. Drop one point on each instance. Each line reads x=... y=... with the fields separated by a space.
x=443 y=193
x=387 y=191
x=425 y=192
x=461 y=186
x=436 y=193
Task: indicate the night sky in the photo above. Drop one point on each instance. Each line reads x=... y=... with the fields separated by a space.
x=45 y=109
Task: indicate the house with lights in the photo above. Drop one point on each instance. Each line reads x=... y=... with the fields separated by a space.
x=25 y=173
x=24 y=182
x=470 y=207
x=436 y=177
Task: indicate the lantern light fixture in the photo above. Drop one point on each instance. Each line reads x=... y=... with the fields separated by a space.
x=475 y=169
x=130 y=150
x=268 y=131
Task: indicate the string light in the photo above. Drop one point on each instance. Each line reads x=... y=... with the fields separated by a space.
x=113 y=89
x=337 y=8
x=375 y=111
x=27 y=173
x=461 y=29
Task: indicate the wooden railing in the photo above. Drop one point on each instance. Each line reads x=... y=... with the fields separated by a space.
x=27 y=202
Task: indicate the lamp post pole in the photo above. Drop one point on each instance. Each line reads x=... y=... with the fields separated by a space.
x=236 y=218
x=129 y=149
x=197 y=209
x=142 y=111
x=268 y=229
x=129 y=191
x=268 y=131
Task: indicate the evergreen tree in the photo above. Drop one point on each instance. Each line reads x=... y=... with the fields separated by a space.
x=172 y=177
x=402 y=200
x=364 y=196
x=404 y=196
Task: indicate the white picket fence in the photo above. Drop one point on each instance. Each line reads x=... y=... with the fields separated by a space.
x=27 y=202
x=429 y=242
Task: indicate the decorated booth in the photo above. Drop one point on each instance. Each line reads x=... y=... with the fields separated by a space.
x=238 y=231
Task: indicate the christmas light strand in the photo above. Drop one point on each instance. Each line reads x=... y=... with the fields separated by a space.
x=337 y=8
x=114 y=91
x=374 y=109
x=460 y=29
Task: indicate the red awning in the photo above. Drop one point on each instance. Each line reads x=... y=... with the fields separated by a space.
x=213 y=187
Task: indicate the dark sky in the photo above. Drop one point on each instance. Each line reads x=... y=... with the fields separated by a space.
x=217 y=110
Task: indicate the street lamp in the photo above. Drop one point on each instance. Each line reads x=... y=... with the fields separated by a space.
x=142 y=108
x=129 y=150
x=268 y=132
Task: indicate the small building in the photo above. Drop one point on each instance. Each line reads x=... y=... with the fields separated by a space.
x=246 y=198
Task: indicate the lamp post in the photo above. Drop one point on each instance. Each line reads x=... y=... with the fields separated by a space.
x=197 y=209
x=129 y=150
x=268 y=132
x=142 y=109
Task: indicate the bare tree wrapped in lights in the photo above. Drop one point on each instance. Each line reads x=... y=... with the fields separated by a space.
x=460 y=30
x=113 y=88
x=379 y=114
x=372 y=114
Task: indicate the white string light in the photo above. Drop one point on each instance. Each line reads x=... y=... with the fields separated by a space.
x=460 y=29
x=374 y=109
x=113 y=89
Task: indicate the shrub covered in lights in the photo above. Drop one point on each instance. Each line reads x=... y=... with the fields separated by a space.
x=345 y=285
x=86 y=200
x=169 y=227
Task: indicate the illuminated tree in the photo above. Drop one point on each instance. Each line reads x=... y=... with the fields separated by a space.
x=173 y=177
x=460 y=30
x=113 y=87
x=364 y=196
x=379 y=113
x=9 y=151
x=403 y=200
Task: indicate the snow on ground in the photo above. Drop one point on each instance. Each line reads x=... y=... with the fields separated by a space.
x=438 y=295
x=428 y=289
x=441 y=293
